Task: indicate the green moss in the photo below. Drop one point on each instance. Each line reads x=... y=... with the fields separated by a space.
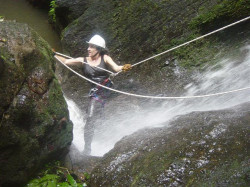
x=235 y=172
x=198 y=54
x=56 y=102
x=127 y=19
x=226 y=11
x=11 y=77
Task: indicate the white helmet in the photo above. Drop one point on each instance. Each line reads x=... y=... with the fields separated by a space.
x=98 y=41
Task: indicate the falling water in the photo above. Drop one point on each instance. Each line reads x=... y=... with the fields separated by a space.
x=228 y=74
x=78 y=119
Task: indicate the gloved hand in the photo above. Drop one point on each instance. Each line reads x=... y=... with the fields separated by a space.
x=126 y=67
x=53 y=51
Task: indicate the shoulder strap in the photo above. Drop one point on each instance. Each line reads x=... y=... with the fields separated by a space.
x=85 y=59
x=102 y=61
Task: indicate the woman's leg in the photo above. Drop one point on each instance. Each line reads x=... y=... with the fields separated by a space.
x=94 y=113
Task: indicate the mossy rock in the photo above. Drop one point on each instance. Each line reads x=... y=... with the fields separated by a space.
x=197 y=149
x=136 y=30
x=35 y=126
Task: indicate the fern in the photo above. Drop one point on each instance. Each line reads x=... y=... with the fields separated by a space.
x=52 y=11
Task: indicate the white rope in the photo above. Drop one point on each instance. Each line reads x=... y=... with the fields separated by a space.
x=152 y=97
x=60 y=54
x=186 y=43
x=164 y=52
x=158 y=97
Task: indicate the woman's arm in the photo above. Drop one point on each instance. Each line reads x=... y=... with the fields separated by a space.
x=72 y=61
x=112 y=64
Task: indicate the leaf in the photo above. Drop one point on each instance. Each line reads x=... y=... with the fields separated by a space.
x=63 y=184
x=49 y=177
x=33 y=183
x=82 y=185
x=51 y=184
x=72 y=181
x=86 y=176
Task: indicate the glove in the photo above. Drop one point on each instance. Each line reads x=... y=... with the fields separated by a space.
x=126 y=67
x=53 y=51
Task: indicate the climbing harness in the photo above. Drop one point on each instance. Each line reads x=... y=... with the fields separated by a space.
x=99 y=93
x=150 y=97
x=163 y=97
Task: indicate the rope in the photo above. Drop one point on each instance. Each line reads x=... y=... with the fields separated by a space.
x=151 y=97
x=164 y=52
x=60 y=54
x=158 y=97
x=186 y=43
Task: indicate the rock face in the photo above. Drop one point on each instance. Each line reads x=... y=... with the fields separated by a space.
x=34 y=121
x=198 y=149
x=68 y=11
x=137 y=30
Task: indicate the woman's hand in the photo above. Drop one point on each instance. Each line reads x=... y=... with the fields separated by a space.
x=114 y=66
x=126 y=67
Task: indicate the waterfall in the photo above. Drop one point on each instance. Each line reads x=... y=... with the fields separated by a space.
x=226 y=75
x=78 y=119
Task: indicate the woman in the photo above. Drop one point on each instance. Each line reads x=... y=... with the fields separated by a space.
x=95 y=67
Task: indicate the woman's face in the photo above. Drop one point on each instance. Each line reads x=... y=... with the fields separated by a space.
x=92 y=50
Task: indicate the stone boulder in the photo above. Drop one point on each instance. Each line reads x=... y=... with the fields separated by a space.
x=68 y=11
x=197 y=149
x=34 y=121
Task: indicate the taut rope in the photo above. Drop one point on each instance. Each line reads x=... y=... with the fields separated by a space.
x=158 y=97
x=60 y=54
x=186 y=43
x=150 y=97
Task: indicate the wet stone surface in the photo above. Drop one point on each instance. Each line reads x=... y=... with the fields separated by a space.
x=200 y=148
x=32 y=106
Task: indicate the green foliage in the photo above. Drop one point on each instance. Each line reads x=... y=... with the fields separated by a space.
x=47 y=180
x=3 y=57
x=202 y=52
x=56 y=176
x=227 y=10
x=130 y=18
x=52 y=11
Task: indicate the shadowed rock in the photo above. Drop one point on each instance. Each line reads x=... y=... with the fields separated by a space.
x=31 y=106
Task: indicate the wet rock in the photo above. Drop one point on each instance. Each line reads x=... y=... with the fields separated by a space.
x=160 y=25
x=40 y=4
x=2 y=66
x=31 y=106
x=79 y=162
x=68 y=11
x=197 y=149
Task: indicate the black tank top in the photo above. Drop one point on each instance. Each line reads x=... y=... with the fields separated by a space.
x=95 y=74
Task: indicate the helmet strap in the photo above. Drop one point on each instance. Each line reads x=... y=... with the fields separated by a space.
x=95 y=54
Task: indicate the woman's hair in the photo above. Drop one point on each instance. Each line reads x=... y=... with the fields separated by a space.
x=101 y=50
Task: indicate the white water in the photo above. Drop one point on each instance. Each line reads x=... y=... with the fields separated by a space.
x=78 y=119
x=228 y=75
